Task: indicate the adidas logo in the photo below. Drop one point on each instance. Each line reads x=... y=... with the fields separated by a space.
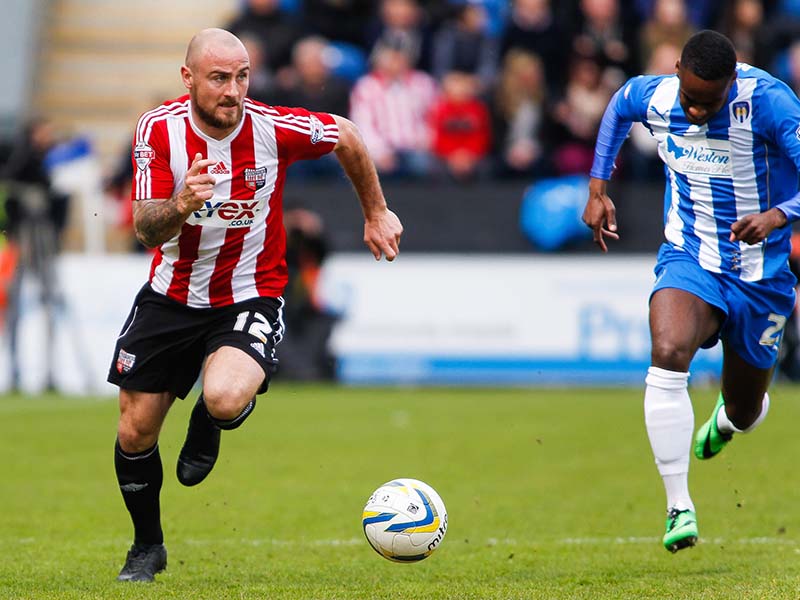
x=258 y=347
x=219 y=169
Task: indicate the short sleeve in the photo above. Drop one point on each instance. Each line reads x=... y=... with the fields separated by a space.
x=150 y=154
x=634 y=97
x=302 y=134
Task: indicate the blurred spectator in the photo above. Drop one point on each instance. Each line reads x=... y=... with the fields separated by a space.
x=577 y=115
x=462 y=44
x=402 y=23
x=275 y=29
x=304 y=353
x=701 y=14
x=518 y=111
x=792 y=67
x=391 y=106
x=533 y=28
x=743 y=23
x=9 y=255
x=668 y=25
x=262 y=78
x=607 y=35
x=641 y=156
x=117 y=187
x=309 y=83
x=780 y=29
x=27 y=168
x=436 y=11
x=36 y=217
x=339 y=20
x=462 y=133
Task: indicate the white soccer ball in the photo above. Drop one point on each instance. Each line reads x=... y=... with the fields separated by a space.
x=404 y=520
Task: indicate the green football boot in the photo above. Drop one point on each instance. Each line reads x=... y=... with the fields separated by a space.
x=681 y=529
x=709 y=440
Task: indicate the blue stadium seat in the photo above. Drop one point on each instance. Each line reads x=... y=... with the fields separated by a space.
x=780 y=67
x=551 y=210
x=346 y=60
x=64 y=152
x=291 y=6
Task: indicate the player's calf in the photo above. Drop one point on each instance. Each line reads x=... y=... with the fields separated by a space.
x=715 y=433
x=201 y=448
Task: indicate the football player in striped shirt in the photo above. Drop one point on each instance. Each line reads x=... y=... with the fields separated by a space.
x=729 y=136
x=207 y=196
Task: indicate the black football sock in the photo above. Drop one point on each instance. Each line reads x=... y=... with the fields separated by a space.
x=140 y=476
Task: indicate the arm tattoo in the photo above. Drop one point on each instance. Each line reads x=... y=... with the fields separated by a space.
x=156 y=221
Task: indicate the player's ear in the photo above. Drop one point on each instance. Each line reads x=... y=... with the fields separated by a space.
x=186 y=77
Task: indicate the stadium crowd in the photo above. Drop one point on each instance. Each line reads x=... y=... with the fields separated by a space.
x=474 y=89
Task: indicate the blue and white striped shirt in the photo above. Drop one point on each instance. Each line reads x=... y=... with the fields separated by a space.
x=744 y=160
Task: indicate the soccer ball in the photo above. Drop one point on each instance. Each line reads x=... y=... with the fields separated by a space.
x=404 y=520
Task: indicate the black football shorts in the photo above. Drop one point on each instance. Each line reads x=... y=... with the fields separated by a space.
x=164 y=343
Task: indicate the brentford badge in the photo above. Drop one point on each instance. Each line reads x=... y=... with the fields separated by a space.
x=255 y=179
x=125 y=361
x=142 y=155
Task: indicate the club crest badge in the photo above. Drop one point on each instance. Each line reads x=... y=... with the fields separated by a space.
x=143 y=155
x=255 y=179
x=740 y=112
x=125 y=361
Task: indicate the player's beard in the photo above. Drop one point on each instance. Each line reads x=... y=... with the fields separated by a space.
x=212 y=120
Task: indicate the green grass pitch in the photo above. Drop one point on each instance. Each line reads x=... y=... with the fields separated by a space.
x=550 y=494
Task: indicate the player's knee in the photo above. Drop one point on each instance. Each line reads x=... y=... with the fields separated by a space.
x=237 y=420
x=135 y=437
x=229 y=403
x=670 y=355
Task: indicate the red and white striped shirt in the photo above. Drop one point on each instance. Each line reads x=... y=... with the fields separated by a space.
x=234 y=248
x=393 y=114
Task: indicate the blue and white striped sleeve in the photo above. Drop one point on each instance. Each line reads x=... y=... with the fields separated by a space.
x=626 y=107
x=786 y=110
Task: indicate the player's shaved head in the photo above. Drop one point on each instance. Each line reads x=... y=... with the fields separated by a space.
x=216 y=73
x=211 y=40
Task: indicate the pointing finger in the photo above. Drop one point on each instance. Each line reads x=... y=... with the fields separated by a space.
x=199 y=163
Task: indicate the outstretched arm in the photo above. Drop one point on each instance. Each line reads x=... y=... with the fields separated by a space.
x=382 y=228
x=157 y=220
x=600 y=214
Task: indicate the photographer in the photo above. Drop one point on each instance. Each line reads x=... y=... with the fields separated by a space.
x=36 y=215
